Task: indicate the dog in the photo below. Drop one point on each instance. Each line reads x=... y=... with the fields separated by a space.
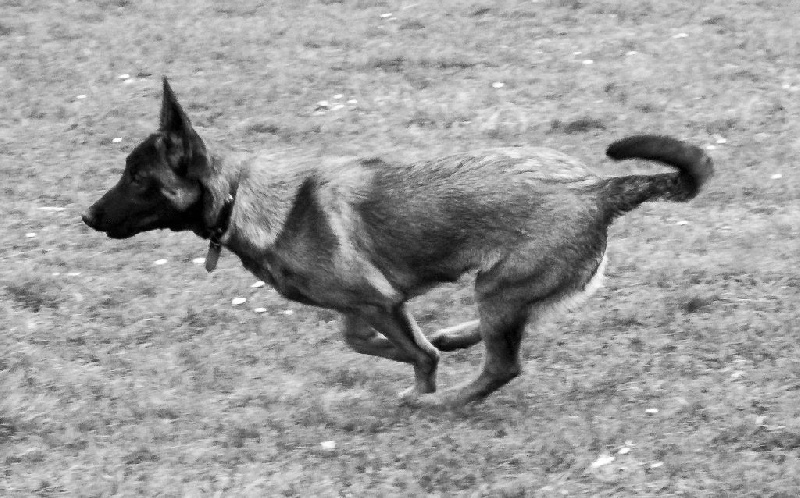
x=366 y=236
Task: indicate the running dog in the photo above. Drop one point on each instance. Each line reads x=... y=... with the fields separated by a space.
x=366 y=236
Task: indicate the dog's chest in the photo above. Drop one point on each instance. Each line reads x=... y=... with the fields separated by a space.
x=290 y=282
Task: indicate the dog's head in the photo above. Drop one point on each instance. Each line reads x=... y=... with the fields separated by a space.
x=161 y=186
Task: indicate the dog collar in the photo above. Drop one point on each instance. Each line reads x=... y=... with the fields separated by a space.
x=215 y=234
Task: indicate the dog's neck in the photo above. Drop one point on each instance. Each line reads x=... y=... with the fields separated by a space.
x=219 y=185
x=264 y=193
x=219 y=182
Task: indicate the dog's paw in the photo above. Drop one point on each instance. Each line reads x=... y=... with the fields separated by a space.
x=431 y=401
x=443 y=400
x=409 y=396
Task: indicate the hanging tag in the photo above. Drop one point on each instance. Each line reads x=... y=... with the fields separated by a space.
x=213 y=256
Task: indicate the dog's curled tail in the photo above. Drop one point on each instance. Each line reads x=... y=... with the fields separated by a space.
x=622 y=194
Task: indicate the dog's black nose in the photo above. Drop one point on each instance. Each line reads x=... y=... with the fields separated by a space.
x=88 y=218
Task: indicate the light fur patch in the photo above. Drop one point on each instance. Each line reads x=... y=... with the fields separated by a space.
x=419 y=337
x=535 y=164
x=457 y=328
x=597 y=279
x=337 y=197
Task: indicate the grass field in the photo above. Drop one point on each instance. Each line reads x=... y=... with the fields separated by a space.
x=120 y=376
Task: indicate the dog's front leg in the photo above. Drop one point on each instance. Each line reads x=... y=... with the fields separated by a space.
x=400 y=330
x=362 y=338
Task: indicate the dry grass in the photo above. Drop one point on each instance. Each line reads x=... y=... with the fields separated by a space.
x=121 y=377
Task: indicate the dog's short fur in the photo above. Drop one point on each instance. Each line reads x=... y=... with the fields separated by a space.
x=366 y=236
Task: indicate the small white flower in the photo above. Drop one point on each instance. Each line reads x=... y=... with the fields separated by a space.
x=30 y=235
x=199 y=261
x=259 y=310
x=498 y=84
x=160 y=262
x=602 y=460
x=651 y=411
x=258 y=284
x=116 y=140
x=124 y=76
x=80 y=97
x=386 y=15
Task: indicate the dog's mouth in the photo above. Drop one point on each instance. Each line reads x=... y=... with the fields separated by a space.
x=130 y=229
x=125 y=231
x=120 y=234
x=144 y=224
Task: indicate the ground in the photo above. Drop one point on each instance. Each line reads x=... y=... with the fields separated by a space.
x=125 y=369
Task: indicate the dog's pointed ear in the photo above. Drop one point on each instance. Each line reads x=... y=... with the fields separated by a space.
x=172 y=116
x=179 y=137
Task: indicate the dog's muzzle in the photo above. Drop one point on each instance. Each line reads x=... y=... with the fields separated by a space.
x=89 y=218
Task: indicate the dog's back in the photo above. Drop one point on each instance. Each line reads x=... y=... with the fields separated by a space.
x=435 y=220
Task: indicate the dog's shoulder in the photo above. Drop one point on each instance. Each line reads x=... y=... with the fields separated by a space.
x=344 y=179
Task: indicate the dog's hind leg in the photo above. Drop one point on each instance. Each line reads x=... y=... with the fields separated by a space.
x=362 y=338
x=458 y=336
x=502 y=325
x=507 y=301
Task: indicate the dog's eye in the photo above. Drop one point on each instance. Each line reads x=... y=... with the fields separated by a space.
x=139 y=181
